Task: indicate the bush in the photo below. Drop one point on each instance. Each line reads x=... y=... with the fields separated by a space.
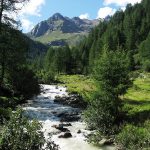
x=134 y=138
x=146 y=65
x=46 y=76
x=6 y=102
x=102 y=113
x=4 y=114
x=22 y=134
x=111 y=73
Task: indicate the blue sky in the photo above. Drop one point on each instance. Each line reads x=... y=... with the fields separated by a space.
x=38 y=10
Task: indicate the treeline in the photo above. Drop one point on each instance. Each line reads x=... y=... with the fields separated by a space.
x=60 y=60
x=128 y=30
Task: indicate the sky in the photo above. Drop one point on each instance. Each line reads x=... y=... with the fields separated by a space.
x=36 y=11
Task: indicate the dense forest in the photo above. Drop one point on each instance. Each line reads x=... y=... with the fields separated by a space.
x=111 y=56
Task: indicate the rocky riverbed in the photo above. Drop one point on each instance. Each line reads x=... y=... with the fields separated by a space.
x=60 y=114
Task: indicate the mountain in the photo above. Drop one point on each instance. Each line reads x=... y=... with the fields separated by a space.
x=59 y=30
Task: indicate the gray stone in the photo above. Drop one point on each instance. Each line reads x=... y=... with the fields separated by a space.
x=66 y=135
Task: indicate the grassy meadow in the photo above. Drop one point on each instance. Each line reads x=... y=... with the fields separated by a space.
x=136 y=102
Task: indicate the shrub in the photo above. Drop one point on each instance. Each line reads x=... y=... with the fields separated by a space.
x=4 y=114
x=24 y=82
x=46 y=76
x=146 y=65
x=6 y=102
x=134 y=138
x=22 y=134
x=102 y=113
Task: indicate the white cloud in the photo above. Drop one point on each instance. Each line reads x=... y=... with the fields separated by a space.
x=121 y=2
x=26 y=24
x=33 y=8
x=105 y=11
x=84 y=16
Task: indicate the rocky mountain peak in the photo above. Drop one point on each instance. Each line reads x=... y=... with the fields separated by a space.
x=58 y=24
x=56 y=16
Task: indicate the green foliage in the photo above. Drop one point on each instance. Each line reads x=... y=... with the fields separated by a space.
x=56 y=61
x=13 y=47
x=137 y=99
x=83 y=85
x=112 y=72
x=71 y=38
x=4 y=114
x=6 y=102
x=102 y=113
x=144 y=52
x=133 y=137
x=126 y=29
x=15 y=79
x=24 y=82
x=21 y=134
x=146 y=65
x=112 y=75
x=46 y=76
x=13 y=59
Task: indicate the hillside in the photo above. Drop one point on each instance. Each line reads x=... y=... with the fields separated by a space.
x=59 y=30
x=128 y=30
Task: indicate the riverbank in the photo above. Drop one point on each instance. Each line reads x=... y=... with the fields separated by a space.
x=135 y=105
x=135 y=101
x=78 y=84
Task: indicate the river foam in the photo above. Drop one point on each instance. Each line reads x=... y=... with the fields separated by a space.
x=46 y=111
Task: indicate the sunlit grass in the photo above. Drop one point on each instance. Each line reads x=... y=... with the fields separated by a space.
x=71 y=38
x=137 y=98
x=80 y=84
x=135 y=101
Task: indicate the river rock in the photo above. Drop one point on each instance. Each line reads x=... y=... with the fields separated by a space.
x=65 y=135
x=106 y=142
x=68 y=124
x=61 y=128
x=65 y=124
x=61 y=114
x=79 y=131
x=73 y=100
x=70 y=118
x=46 y=98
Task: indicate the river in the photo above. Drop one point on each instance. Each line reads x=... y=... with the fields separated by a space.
x=43 y=108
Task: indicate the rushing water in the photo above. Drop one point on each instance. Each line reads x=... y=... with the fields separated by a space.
x=46 y=111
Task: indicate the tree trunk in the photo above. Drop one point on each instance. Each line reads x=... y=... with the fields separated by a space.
x=1 y=12
x=2 y=67
x=2 y=51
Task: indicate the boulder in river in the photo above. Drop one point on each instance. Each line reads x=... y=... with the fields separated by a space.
x=61 y=128
x=73 y=100
x=65 y=135
x=70 y=118
x=106 y=142
x=79 y=131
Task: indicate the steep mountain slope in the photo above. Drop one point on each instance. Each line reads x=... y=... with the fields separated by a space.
x=58 y=30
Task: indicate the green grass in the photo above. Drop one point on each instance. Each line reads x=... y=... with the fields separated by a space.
x=137 y=98
x=70 y=38
x=85 y=86
x=136 y=102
